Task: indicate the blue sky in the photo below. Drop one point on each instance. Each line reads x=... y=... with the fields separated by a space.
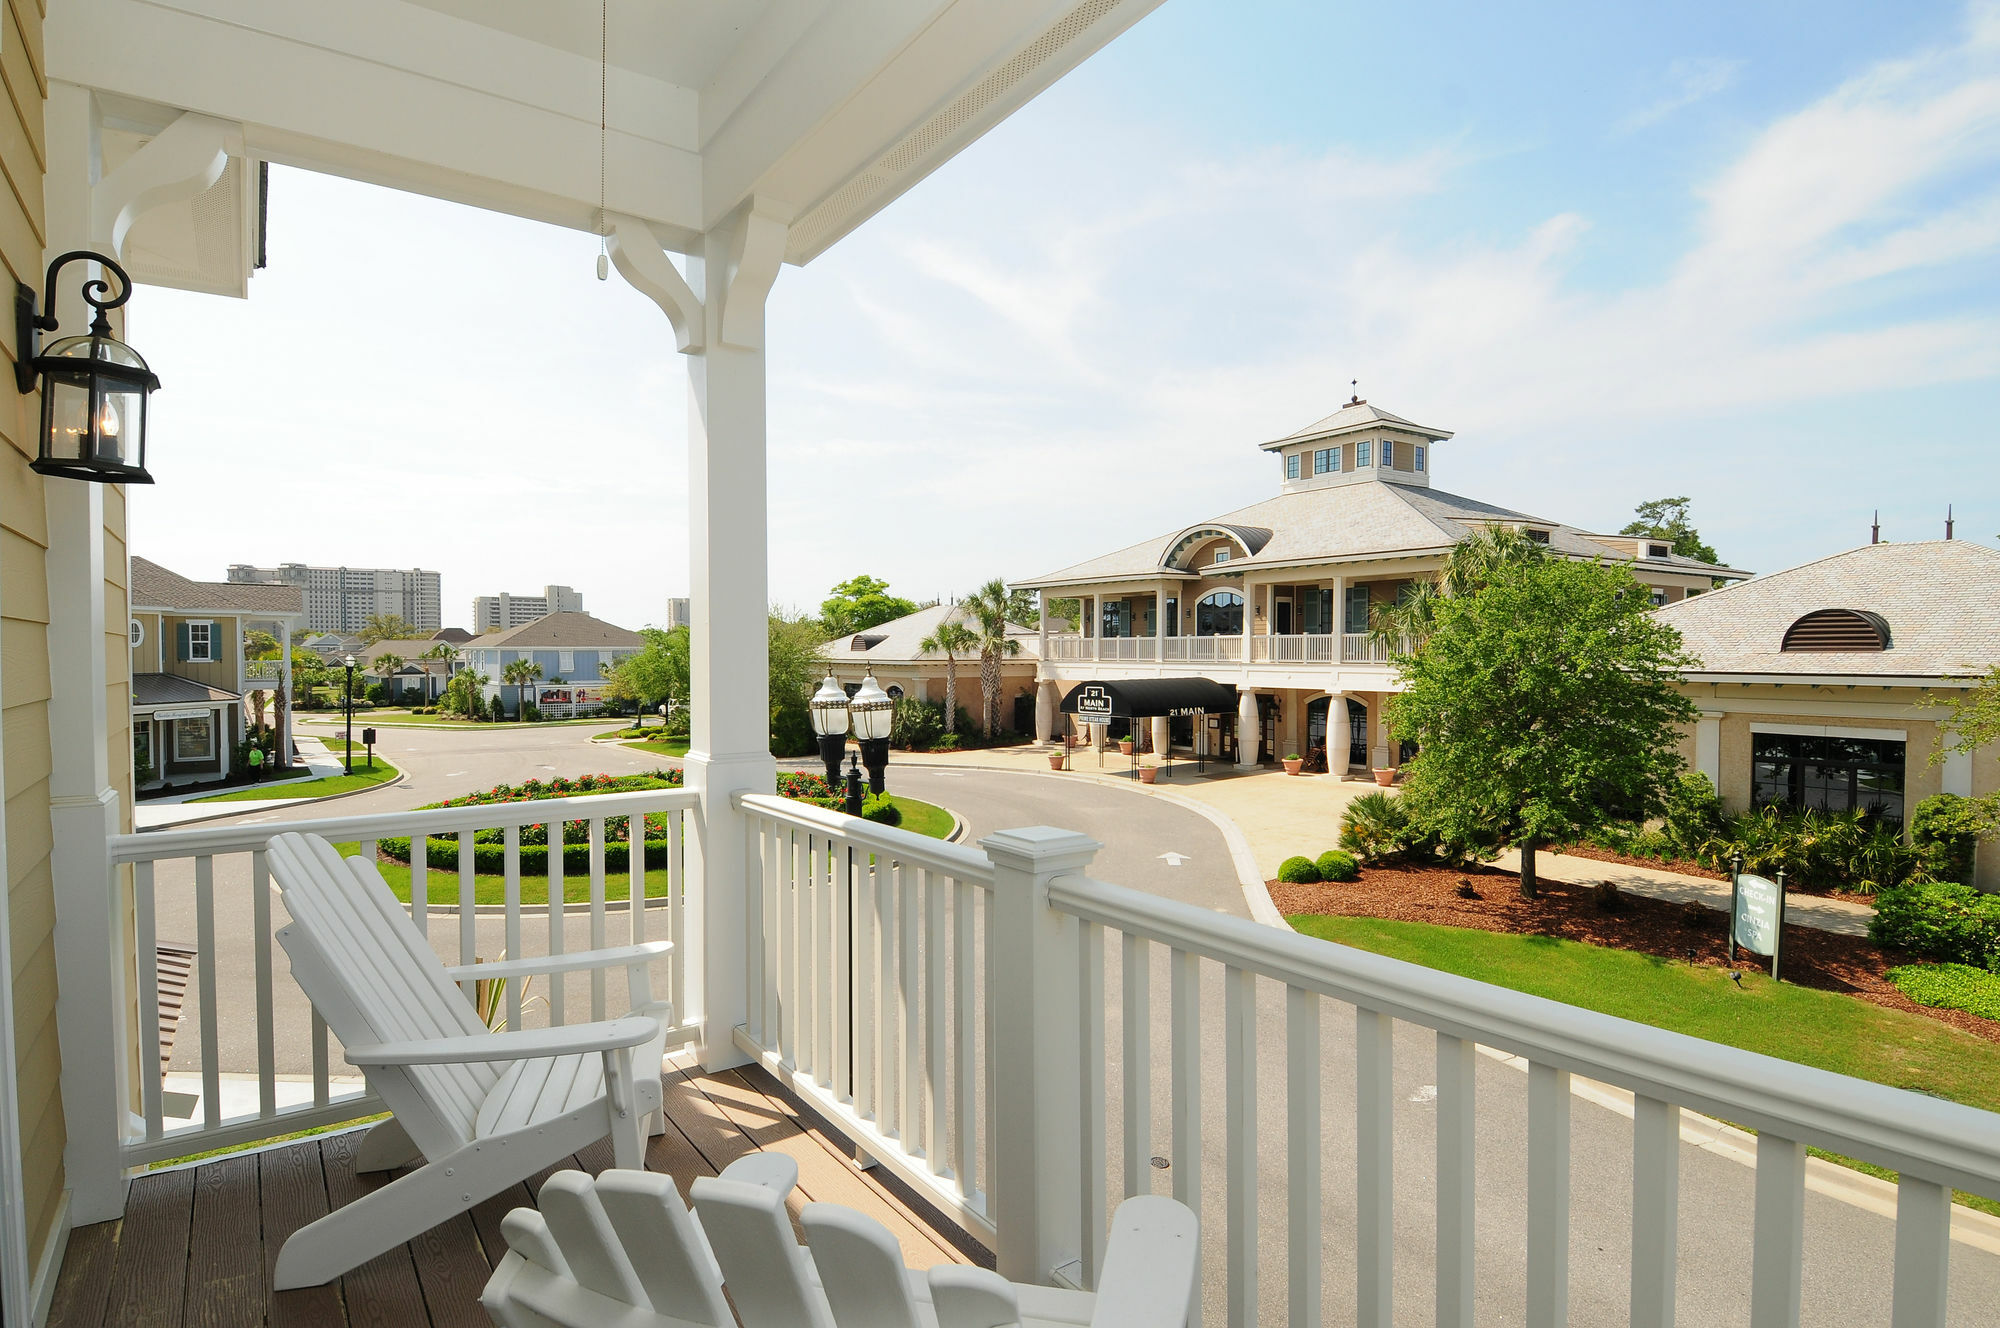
x=1745 y=252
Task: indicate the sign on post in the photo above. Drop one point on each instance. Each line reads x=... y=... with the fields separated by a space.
x=1757 y=916
x=1093 y=704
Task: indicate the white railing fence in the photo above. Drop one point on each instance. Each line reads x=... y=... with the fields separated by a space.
x=1362 y=648
x=1296 y=649
x=214 y=884
x=1015 y=1060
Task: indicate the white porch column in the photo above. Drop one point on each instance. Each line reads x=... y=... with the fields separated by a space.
x=1246 y=729
x=1708 y=747
x=1163 y=736
x=1249 y=617
x=1160 y=632
x=1045 y=711
x=1042 y=620
x=1339 y=745
x=286 y=752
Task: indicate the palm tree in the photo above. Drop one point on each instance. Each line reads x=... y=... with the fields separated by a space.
x=443 y=650
x=951 y=639
x=521 y=672
x=1406 y=624
x=988 y=606
x=384 y=666
x=471 y=688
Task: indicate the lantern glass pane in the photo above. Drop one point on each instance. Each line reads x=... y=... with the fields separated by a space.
x=120 y=421
x=106 y=350
x=66 y=407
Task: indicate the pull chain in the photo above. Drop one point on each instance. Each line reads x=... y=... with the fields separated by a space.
x=603 y=81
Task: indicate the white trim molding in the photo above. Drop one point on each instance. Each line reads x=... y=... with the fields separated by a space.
x=1833 y=731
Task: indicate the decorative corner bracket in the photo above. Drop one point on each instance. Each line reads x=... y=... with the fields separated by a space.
x=756 y=250
x=642 y=260
x=182 y=161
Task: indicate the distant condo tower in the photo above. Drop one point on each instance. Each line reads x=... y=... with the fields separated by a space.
x=342 y=599
x=498 y=613
x=680 y=613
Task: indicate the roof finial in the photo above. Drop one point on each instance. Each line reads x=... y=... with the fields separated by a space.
x=1947 y=520
x=1356 y=384
x=1875 y=531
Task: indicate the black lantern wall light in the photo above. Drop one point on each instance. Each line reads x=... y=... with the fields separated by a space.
x=94 y=387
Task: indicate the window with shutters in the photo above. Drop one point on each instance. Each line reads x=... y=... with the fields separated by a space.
x=201 y=643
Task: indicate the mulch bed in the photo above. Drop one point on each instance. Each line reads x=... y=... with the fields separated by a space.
x=1688 y=932
x=1685 y=866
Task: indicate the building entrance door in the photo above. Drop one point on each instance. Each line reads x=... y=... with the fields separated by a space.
x=1357 y=733
x=1315 y=750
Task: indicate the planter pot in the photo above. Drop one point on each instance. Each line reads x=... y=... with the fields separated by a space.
x=1056 y=761
x=1124 y=749
x=1386 y=777
x=1292 y=767
x=1148 y=774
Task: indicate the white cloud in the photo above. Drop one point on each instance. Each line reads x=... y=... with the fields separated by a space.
x=1688 y=81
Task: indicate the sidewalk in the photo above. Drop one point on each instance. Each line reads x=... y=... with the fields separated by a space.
x=1278 y=816
x=320 y=763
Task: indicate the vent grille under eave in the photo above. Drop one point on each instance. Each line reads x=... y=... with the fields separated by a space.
x=1836 y=631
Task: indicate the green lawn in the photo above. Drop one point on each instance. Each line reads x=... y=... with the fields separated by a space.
x=403 y=719
x=362 y=778
x=921 y=818
x=660 y=746
x=1819 y=1028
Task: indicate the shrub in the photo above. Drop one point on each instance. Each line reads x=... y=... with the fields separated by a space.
x=1940 y=920
x=1950 y=987
x=376 y=693
x=914 y=725
x=1693 y=813
x=1375 y=826
x=1815 y=849
x=1333 y=865
x=876 y=807
x=679 y=722
x=949 y=742
x=1298 y=871
x=1944 y=828
x=495 y=710
x=530 y=712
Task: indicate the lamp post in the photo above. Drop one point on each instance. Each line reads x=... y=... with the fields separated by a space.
x=347 y=756
x=829 y=721
x=874 y=714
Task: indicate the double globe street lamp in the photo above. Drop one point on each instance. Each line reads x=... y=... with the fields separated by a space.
x=872 y=714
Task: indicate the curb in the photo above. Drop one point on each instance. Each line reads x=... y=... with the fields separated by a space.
x=401 y=777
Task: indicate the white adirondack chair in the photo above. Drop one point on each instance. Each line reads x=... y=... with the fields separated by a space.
x=622 y=1249
x=484 y=1110
x=856 y=1277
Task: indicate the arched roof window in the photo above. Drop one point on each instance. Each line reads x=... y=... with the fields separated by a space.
x=1219 y=613
x=1825 y=631
x=1247 y=539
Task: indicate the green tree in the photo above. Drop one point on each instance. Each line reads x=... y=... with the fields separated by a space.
x=1406 y=623
x=385 y=627
x=987 y=607
x=951 y=639
x=795 y=670
x=1972 y=720
x=260 y=644
x=860 y=603
x=1667 y=519
x=520 y=672
x=655 y=674
x=1544 y=705
x=463 y=695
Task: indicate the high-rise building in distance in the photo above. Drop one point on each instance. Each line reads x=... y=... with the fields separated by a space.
x=498 y=613
x=680 y=613
x=342 y=599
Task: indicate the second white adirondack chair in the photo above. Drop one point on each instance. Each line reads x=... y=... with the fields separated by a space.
x=485 y=1110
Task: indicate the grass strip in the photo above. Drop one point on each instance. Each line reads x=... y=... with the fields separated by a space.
x=312 y=788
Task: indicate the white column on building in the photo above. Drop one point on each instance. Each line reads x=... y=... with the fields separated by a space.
x=1708 y=747
x=1338 y=627
x=1163 y=736
x=1246 y=729
x=1042 y=620
x=1249 y=616
x=1045 y=711
x=1339 y=745
x=1160 y=626
x=286 y=752
x=718 y=315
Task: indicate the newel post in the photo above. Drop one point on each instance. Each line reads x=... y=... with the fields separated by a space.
x=1035 y=1198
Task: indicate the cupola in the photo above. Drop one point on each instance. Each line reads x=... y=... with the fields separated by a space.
x=1357 y=444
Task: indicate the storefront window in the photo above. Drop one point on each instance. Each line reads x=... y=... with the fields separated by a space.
x=1219 y=614
x=142 y=745
x=1828 y=774
x=194 y=739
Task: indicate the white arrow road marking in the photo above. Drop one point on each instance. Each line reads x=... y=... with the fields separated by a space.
x=1427 y=1093
x=1174 y=859
x=454 y=774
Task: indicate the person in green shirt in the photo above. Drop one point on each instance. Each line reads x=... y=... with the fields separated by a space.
x=256 y=765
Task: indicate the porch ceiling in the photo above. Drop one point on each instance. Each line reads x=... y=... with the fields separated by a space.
x=818 y=113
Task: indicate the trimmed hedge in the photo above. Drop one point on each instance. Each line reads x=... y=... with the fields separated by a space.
x=491 y=859
x=1950 y=987
x=1939 y=920
x=1334 y=865
x=1298 y=871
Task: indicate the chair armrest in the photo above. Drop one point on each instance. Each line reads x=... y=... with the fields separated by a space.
x=1152 y=1264
x=575 y=962
x=528 y=1044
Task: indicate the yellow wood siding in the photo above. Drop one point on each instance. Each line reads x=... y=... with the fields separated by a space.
x=24 y=670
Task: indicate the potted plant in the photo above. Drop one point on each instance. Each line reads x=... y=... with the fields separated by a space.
x=1125 y=745
x=1148 y=774
x=1293 y=762
x=1056 y=760
x=1385 y=775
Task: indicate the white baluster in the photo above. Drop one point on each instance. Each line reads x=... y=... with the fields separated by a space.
x=145 y=935
x=1923 y=1252
x=1656 y=1137
x=260 y=941
x=1136 y=977
x=1091 y=1071
x=1374 y=1151
x=1548 y=1196
x=1456 y=1060
x=1778 y=1241
x=1303 y=1215
x=205 y=962
x=1239 y=1045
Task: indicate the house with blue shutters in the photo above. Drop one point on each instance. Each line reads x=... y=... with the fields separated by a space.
x=571 y=649
x=189 y=674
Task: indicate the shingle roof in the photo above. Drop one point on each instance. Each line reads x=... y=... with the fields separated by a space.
x=1374 y=518
x=154 y=587
x=1941 y=599
x=897 y=640
x=567 y=631
x=158 y=689
x=1354 y=415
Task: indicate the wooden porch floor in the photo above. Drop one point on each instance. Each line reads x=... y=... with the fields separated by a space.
x=197 y=1244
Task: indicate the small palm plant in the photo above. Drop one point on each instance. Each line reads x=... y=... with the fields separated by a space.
x=520 y=673
x=489 y=999
x=951 y=639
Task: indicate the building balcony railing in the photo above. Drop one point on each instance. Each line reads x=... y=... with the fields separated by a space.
x=1022 y=1045
x=263 y=675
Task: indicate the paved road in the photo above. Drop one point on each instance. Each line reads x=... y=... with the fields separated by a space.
x=1848 y=1250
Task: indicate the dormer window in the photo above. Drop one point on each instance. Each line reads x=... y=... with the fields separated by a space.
x=1657 y=550
x=1291 y=465
x=1326 y=461
x=1420 y=456
x=1361 y=461
x=1536 y=536
x=1222 y=555
x=1827 y=631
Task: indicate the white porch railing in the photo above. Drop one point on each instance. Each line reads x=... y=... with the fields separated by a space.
x=1362 y=648
x=1069 y=646
x=1204 y=649
x=1125 y=647
x=1296 y=649
x=1006 y=1062
x=265 y=675
x=234 y=1026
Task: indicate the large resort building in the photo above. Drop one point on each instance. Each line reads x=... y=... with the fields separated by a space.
x=1275 y=598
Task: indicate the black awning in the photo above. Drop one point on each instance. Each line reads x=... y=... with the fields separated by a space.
x=1145 y=698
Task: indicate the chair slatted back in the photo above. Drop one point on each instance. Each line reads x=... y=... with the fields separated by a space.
x=374 y=978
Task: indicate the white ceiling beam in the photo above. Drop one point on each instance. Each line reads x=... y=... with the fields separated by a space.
x=398 y=95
